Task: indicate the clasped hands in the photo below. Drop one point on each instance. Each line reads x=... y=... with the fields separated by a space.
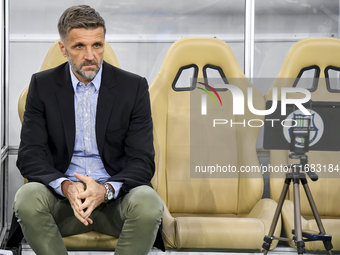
x=82 y=201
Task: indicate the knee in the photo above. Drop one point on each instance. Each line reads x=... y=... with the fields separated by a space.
x=146 y=203
x=29 y=199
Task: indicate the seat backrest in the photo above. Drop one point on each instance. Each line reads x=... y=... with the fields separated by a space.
x=53 y=58
x=181 y=133
x=322 y=55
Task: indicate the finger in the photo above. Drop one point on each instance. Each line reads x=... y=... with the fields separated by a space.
x=76 y=208
x=89 y=221
x=79 y=214
x=79 y=217
x=89 y=205
x=83 y=195
x=82 y=219
x=88 y=212
x=82 y=177
x=80 y=187
x=85 y=205
x=74 y=201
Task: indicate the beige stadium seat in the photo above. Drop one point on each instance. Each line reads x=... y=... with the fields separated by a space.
x=322 y=55
x=91 y=240
x=206 y=213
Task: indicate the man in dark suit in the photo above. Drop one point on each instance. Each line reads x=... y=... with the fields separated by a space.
x=86 y=148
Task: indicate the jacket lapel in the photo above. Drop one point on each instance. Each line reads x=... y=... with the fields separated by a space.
x=105 y=104
x=66 y=105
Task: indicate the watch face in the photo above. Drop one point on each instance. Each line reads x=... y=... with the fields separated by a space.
x=110 y=195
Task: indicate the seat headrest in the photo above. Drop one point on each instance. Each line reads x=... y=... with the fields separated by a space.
x=322 y=55
x=321 y=52
x=200 y=51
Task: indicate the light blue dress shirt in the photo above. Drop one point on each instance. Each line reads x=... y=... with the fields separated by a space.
x=86 y=159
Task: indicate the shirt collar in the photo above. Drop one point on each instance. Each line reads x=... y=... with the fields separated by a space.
x=96 y=80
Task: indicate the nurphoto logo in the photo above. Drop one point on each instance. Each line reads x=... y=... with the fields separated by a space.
x=204 y=97
x=238 y=100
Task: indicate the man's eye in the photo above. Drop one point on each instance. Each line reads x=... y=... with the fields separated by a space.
x=78 y=46
x=97 y=45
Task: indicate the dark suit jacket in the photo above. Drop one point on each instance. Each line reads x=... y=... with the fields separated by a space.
x=123 y=127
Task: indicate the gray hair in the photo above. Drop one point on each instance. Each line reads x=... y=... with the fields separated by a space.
x=80 y=16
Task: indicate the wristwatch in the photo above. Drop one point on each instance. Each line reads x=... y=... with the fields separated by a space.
x=109 y=192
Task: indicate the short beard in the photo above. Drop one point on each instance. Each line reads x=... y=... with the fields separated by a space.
x=78 y=70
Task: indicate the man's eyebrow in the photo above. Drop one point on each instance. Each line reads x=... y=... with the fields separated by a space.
x=76 y=44
x=82 y=44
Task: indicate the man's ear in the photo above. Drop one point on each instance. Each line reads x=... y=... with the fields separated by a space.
x=62 y=48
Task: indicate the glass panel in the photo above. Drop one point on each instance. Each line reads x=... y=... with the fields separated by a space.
x=15 y=181
x=2 y=195
x=136 y=17
x=281 y=23
x=2 y=78
x=3 y=117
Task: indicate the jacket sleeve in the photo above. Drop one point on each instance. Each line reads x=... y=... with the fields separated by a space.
x=35 y=161
x=139 y=151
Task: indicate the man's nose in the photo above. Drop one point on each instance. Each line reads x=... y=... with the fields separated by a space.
x=89 y=54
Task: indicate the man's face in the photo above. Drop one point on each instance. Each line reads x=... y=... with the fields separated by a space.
x=84 y=49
